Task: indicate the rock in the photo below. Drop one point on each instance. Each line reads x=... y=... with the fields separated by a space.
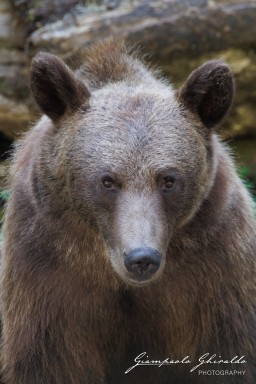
x=13 y=74
x=14 y=116
x=16 y=107
x=5 y=22
x=33 y=14
x=170 y=29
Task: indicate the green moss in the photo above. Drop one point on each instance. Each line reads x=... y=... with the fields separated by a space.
x=5 y=195
x=249 y=179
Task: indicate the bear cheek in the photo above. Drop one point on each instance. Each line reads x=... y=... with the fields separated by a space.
x=197 y=181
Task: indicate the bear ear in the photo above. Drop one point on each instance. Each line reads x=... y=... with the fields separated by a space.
x=55 y=87
x=208 y=92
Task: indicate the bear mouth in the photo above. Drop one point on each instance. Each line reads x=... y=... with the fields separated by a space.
x=140 y=283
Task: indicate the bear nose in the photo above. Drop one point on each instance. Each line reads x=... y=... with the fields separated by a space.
x=142 y=262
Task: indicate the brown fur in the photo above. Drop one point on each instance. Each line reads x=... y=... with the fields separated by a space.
x=72 y=314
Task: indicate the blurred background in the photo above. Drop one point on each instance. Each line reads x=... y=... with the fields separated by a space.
x=176 y=35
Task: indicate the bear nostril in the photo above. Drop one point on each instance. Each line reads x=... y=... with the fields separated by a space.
x=142 y=262
x=143 y=267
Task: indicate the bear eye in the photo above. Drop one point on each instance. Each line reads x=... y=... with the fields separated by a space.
x=108 y=183
x=169 y=182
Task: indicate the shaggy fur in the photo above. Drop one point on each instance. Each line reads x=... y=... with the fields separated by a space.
x=72 y=314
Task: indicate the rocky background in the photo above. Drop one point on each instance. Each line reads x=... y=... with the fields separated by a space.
x=175 y=35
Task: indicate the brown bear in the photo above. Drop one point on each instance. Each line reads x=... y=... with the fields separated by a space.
x=130 y=241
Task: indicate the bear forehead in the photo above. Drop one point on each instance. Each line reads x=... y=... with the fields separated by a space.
x=134 y=102
x=137 y=115
x=139 y=129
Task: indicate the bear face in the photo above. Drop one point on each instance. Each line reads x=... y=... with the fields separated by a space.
x=137 y=195
x=138 y=164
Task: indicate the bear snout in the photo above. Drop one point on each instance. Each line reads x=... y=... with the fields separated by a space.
x=142 y=262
